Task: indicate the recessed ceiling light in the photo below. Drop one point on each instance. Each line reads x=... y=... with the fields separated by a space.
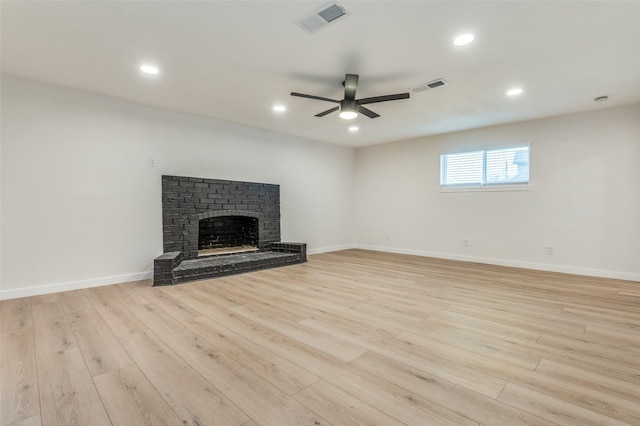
x=149 y=69
x=515 y=91
x=354 y=128
x=463 y=39
x=279 y=108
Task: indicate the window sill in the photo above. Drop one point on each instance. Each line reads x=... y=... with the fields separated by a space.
x=502 y=188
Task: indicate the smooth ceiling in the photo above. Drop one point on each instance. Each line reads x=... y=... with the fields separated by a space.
x=234 y=60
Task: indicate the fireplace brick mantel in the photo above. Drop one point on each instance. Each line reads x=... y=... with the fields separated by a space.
x=187 y=200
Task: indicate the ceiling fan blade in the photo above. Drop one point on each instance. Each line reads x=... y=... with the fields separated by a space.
x=329 y=111
x=365 y=111
x=320 y=98
x=383 y=98
x=350 y=86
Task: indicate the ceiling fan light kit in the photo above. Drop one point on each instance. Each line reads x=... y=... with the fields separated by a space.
x=350 y=107
x=348 y=115
x=348 y=110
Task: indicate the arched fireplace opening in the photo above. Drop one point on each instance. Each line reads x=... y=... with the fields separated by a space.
x=227 y=234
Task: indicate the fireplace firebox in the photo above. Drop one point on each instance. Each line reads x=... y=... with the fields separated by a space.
x=227 y=234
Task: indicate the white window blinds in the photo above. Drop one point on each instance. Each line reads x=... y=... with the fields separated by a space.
x=487 y=167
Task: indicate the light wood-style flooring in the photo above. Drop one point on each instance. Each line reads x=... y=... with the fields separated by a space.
x=349 y=338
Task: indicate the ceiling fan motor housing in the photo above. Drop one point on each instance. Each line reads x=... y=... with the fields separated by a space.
x=347 y=105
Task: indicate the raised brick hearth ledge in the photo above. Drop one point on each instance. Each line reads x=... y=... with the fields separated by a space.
x=171 y=268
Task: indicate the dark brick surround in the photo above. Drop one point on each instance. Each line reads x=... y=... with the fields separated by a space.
x=187 y=200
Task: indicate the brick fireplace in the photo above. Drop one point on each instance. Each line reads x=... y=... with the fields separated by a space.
x=186 y=201
x=211 y=217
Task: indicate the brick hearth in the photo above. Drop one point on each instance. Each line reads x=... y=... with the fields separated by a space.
x=186 y=201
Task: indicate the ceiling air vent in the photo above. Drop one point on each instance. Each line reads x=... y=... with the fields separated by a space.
x=322 y=17
x=430 y=85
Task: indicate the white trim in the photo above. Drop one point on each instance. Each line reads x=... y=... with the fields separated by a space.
x=72 y=285
x=488 y=188
x=522 y=144
x=117 y=279
x=565 y=269
x=332 y=248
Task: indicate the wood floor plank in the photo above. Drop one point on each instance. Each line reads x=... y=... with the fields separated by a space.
x=341 y=408
x=196 y=297
x=440 y=367
x=588 y=379
x=11 y=305
x=124 y=293
x=465 y=322
x=339 y=348
x=19 y=396
x=474 y=406
x=587 y=397
x=605 y=352
x=67 y=393
x=350 y=337
x=393 y=400
x=278 y=371
x=44 y=298
x=551 y=326
x=553 y=409
x=75 y=300
x=31 y=421
x=612 y=335
x=117 y=316
x=195 y=401
x=130 y=400
x=100 y=348
x=207 y=291
x=510 y=350
x=263 y=402
x=169 y=304
x=51 y=329
x=179 y=338
x=16 y=316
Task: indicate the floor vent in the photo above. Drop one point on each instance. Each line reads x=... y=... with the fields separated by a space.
x=322 y=17
x=430 y=85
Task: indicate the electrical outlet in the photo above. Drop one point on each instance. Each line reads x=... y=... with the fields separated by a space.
x=387 y=236
x=152 y=162
x=465 y=242
x=550 y=249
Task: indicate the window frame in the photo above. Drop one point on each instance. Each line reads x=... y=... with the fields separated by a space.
x=484 y=186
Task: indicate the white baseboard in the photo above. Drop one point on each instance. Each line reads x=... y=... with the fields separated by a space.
x=602 y=273
x=332 y=248
x=6 y=294
x=71 y=285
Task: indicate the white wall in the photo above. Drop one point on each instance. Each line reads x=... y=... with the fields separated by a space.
x=82 y=207
x=585 y=200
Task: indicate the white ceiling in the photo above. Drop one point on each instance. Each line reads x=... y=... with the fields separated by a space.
x=233 y=60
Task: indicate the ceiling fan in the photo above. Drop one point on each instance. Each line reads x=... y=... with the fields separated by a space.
x=350 y=107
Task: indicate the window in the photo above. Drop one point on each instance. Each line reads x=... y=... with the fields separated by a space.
x=485 y=168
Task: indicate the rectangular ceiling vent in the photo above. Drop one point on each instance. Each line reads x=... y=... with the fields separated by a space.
x=430 y=85
x=322 y=17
